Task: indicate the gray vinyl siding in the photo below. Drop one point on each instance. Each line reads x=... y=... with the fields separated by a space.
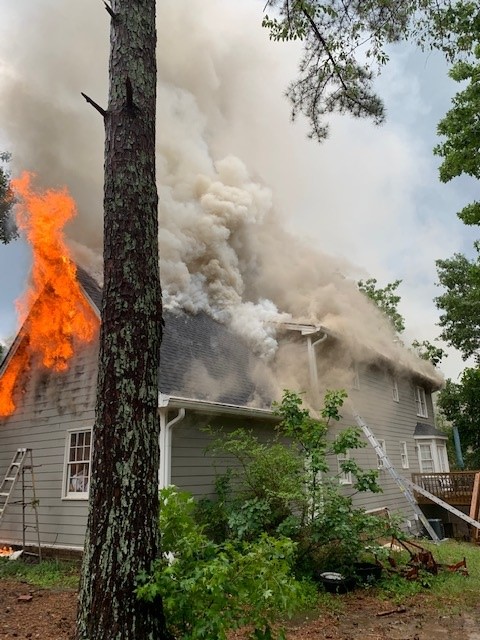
x=194 y=469
x=49 y=404
x=391 y=421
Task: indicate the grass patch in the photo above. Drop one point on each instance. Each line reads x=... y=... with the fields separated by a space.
x=47 y=574
x=447 y=589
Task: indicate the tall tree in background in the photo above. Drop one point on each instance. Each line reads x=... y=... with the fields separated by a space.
x=461 y=148
x=460 y=320
x=122 y=524
x=8 y=229
x=345 y=47
x=386 y=299
x=460 y=405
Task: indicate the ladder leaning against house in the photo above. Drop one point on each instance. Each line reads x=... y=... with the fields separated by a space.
x=22 y=462
x=408 y=488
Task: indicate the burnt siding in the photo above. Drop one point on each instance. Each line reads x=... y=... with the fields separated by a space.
x=49 y=405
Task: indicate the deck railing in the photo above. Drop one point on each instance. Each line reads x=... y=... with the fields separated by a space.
x=456 y=488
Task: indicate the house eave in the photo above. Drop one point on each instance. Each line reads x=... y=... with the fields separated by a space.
x=216 y=408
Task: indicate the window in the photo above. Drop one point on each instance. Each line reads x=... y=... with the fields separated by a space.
x=404 y=455
x=425 y=456
x=443 y=465
x=395 y=395
x=356 y=378
x=432 y=455
x=380 y=463
x=344 y=477
x=421 y=402
x=77 y=464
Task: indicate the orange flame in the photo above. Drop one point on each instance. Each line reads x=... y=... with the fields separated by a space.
x=54 y=310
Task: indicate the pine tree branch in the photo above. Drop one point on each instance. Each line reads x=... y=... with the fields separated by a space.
x=112 y=13
x=94 y=105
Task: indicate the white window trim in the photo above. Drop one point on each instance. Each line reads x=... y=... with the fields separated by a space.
x=345 y=479
x=421 y=402
x=438 y=462
x=383 y=444
x=66 y=495
x=442 y=457
x=356 y=378
x=395 y=394
x=421 y=460
x=404 y=455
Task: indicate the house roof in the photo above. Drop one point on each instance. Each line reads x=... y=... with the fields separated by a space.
x=424 y=430
x=201 y=359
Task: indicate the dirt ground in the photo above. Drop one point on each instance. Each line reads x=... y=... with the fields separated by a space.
x=27 y=612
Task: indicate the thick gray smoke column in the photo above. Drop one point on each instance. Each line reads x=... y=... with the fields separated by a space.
x=220 y=123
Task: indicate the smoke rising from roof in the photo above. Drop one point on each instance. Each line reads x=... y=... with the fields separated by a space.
x=223 y=246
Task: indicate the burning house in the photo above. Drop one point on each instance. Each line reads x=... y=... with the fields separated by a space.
x=210 y=375
x=250 y=309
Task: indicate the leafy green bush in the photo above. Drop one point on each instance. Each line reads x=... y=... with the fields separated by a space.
x=284 y=488
x=210 y=588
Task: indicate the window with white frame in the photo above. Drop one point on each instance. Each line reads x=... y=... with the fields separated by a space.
x=432 y=455
x=425 y=457
x=404 y=455
x=421 y=402
x=356 y=378
x=380 y=461
x=395 y=395
x=344 y=477
x=443 y=465
x=77 y=464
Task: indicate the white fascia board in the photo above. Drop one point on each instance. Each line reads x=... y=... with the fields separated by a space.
x=304 y=329
x=206 y=406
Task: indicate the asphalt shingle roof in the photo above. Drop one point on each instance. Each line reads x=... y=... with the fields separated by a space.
x=424 y=429
x=201 y=359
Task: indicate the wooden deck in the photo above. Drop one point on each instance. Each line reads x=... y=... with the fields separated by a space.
x=455 y=488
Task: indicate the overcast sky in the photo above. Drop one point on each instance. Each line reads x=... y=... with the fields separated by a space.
x=368 y=194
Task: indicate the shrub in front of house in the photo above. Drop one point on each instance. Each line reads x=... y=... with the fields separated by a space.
x=210 y=588
x=285 y=488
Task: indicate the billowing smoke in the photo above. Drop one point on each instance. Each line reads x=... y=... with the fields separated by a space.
x=223 y=247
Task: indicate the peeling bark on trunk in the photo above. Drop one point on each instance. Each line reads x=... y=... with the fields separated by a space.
x=122 y=524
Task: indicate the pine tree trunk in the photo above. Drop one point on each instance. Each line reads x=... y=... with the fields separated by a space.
x=122 y=525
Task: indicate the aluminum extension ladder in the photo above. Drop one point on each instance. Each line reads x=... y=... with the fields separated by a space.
x=403 y=484
x=21 y=462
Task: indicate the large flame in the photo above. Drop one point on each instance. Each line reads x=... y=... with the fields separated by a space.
x=54 y=311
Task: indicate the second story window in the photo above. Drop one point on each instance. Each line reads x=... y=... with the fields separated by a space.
x=421 y=402
x=395 y=395
x=356 y=378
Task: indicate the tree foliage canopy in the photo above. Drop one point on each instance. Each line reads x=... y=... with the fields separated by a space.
x=460 y=126
x=428 y=351
x=460 y=320
x=386 y=300
x=460 y=404
x=345 y=47
x=8 y=230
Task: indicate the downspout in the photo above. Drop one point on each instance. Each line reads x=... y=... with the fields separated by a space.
x=312 y=362
x=458 y=448
x=165 y=441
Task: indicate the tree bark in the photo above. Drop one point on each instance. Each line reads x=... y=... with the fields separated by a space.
x=122 y=536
